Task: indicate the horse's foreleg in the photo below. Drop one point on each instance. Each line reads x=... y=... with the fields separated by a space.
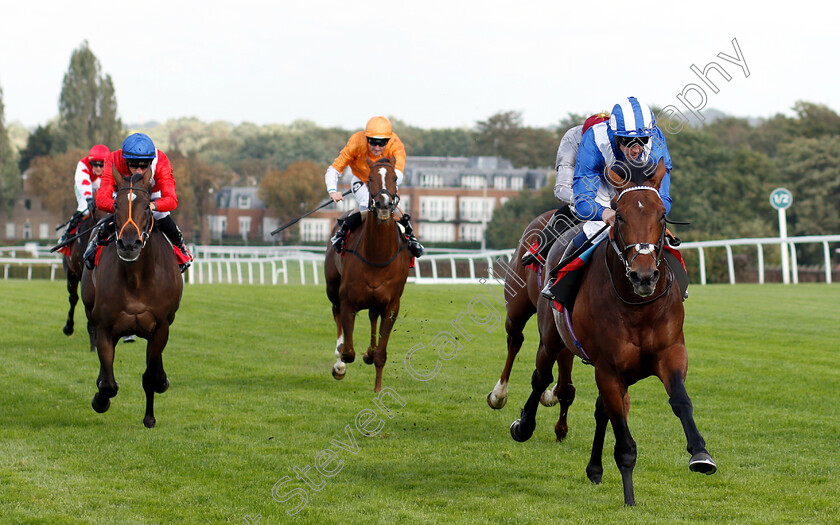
x=564 y=391
x=72 y=289
x=154 y=378
x=701 y=460
x=514 y=327
x=616 y=404
x=595 y=469
x=374 y=317
x=106 y=383
x=380 y=355
x=339 y=333
x=344 y=352
x=523 y=428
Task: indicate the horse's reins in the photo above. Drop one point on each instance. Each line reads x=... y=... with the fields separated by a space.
x=143 y=235
x=642 y=248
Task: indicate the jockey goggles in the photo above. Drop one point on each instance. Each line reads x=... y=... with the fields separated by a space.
x=138 y=163
x=630 y=141
x=97 y=163
x=378 y=142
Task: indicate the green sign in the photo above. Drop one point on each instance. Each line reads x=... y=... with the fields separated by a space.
x=781 y=198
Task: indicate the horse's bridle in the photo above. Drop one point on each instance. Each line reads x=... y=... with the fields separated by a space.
x=394 y=198
x=642 y=248
x=143 y=234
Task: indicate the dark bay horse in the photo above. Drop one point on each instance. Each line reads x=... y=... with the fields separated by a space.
x=73 y=265
x=135 y=289
x=371 y=275
x=628 y=317
x=522 y=294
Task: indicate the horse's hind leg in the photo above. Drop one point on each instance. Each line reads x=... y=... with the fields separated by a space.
x=380 y=355
x=367 y=357
x=523 y=428
x=595 y=469
x=339 y=368
x=106 y=383
x=154 y=378
x=72 y=289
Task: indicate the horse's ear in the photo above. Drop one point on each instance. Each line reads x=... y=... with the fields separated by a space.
x=370 y=162
x=658 y=175
x=393 y=160
x=618 y=175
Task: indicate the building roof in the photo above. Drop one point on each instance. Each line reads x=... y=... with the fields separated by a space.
x=451 y=170
x=228 y=197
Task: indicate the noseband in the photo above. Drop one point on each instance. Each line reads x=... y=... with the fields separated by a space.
x=143 y=234
x=642 y=248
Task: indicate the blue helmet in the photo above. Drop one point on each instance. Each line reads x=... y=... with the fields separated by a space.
x=138 y=146
x=632 y=118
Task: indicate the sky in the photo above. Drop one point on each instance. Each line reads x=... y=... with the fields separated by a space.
x=430 y=63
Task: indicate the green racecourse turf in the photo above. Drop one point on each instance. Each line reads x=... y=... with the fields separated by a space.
x=252 y=399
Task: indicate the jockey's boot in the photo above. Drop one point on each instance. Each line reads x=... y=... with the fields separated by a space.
x=173 y=233
x=562 y=220
x=345 y=226
x=414 y=245
x=102 y=237
x=74 y=222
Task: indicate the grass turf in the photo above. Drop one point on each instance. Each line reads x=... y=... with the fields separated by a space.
x=252 y=403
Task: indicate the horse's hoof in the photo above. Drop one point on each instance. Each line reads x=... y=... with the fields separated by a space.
x=548 y=399
x=149 y=422
x=338 y=375
x=518 y=433
x=129 y=339
x=67 y=329
x=99 y=407
x=163 y=387
x=702 y=462
x=561 y=431
x=594 y=473
x=495 y=403
x=367 y=358
x=348 y=358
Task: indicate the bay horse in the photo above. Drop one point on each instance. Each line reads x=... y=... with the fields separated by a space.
x=371 y=275
x=629 y=324
x=135 y=289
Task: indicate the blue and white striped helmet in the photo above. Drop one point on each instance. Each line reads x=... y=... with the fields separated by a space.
x=632 y=118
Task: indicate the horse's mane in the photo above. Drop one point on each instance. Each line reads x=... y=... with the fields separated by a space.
x=384 y=160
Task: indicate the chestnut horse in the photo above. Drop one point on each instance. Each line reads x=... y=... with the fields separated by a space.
x=135 y=289
x=629 y=324
x=371 y=275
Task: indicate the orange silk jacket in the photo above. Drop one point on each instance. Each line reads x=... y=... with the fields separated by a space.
x=356 y=153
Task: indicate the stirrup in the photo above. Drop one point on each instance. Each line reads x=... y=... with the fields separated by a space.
x=546 y=291
x=415 y=248
x=529 y=258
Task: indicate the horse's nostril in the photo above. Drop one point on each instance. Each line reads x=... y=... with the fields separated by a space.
x=634 y=277
x=655 y=276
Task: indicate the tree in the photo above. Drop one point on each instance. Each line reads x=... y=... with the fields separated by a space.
x=816 y=120
x=198 y=182
x=88 y=104
x=9 y=173
x=52 y=179
x=503 y=135
x=295 y=190
x=40 y=143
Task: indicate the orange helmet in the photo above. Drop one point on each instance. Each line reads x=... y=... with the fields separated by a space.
x=378 y=128
x=99 y=152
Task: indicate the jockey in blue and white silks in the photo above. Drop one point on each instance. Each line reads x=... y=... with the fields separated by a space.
x=631 y=135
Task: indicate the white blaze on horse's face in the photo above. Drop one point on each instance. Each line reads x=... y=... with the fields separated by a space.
x=383 y=172
x=132 y=196
x=641 y=206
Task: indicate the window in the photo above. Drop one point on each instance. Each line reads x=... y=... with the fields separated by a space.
x=431 y=180
x=437 y=232
x=10 y=230
x=472 y=232
x=473 y=182
x=477 y=208
x=27 y=204
x=243 y=202
x=315 y=230
x=500 y=182
x=244 y=227
x=43 y=231
x=517 y=183
x=27 y=231
x=437 y=208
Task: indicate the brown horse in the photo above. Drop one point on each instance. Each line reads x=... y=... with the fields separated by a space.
x=135 y=289
x=522 y=294
x=629 y=324
x=371 y=276
x=73 y=265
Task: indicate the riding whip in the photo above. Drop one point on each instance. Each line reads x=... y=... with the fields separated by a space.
x=76 y=236
x=307 y=214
